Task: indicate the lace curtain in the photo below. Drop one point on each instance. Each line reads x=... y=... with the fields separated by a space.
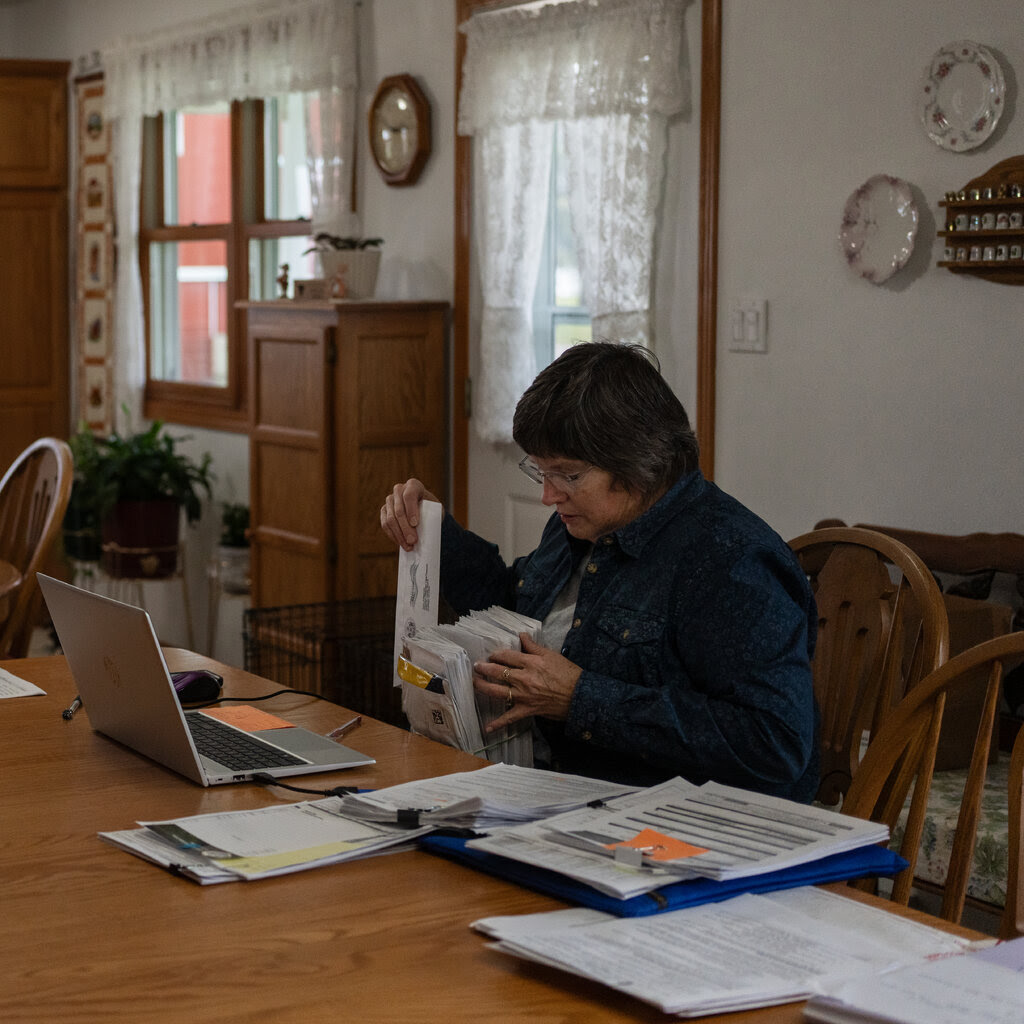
x=609 y=74
x=259 y=50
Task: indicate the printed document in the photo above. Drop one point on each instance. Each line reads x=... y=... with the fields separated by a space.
x=261 y=842
x=711 y=831
x=499 y=794
x=744 y=952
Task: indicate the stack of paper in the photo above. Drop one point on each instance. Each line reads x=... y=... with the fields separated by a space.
x=676 y=830
x=499 y=794
x=262 y=842
x=981 y=986
x=747 y=952
x=434 y=663
x=435 y=666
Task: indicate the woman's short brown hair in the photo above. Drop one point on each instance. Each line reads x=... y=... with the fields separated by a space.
x=608 y=405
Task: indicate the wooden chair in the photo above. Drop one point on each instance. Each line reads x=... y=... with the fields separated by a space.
x=902 y=755
x=1013 y=913
x=34 y=495
x=877 y=637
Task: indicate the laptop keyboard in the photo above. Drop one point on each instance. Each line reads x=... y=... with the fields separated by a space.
x=236 y=750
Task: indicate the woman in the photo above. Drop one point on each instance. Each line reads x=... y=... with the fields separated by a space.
x=678 y=627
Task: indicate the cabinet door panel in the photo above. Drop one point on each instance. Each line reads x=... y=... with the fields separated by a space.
x=290 y=469
x=392 y=417
x=33 y=111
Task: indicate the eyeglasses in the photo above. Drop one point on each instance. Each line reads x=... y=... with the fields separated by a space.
x=567 y=482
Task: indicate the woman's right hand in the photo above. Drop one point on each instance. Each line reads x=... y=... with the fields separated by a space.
x=400 y=513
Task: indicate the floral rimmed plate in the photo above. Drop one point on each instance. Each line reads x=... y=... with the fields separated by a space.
x=962 y=96
x=879 y=227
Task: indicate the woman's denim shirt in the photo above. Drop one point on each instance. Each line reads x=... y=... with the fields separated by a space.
x=694 y=627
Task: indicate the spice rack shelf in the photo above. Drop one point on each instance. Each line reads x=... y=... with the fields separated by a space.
x=983 y=249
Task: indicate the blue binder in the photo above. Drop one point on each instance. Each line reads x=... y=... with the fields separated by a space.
x=865 y=862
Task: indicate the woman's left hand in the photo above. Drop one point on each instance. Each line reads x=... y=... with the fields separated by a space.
x=533 y=681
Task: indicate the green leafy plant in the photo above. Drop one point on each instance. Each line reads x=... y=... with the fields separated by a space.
x=324 y=241
x=234 y=520
x=144 y=466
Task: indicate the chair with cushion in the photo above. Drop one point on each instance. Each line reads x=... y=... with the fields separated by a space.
x=1013 y=911
x=901 y=756
x=882 y=627
x=981 y=576
x=34 y=495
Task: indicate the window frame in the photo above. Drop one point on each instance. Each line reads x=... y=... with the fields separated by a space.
x=193 y=404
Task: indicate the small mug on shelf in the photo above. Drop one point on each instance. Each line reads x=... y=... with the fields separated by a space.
x=975 y=254
x=1001 y=252
x=1015 y=252
x=1016 y=220
x=988 y=221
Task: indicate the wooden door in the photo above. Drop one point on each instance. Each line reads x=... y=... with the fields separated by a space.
x=34 y=399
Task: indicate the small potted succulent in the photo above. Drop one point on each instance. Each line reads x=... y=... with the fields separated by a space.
x=349 y=262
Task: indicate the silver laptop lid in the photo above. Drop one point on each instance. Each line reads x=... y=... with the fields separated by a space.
x=127 y=692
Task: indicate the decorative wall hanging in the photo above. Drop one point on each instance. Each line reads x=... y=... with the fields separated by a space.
x=879 y=227
x=94 y=261
x=961 y=96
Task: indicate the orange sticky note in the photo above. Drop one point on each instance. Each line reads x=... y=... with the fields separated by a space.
x=660 y=847
x=248 y=718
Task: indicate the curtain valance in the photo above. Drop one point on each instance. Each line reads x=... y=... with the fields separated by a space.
x=586 y=58
x=260 y=50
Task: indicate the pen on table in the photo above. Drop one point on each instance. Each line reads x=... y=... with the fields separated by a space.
x=69 y=712
x=345 y=727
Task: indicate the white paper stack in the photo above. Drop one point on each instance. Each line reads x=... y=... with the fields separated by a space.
x=745 y=952
x=712 y=831
x=499 y=794
x=233 y=845
x=434 y=663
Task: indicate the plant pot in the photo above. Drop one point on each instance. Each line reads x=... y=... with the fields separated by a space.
x=232 y=569
x=355 y=269
x=81 y=536
x=140 y=539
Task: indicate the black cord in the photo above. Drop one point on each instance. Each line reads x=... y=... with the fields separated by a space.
x=269 y=780
x=252 y=700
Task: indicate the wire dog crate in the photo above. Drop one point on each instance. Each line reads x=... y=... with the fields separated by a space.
x=341 y=649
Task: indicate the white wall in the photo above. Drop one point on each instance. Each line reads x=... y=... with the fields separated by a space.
x=413 y=36
x=897 y=404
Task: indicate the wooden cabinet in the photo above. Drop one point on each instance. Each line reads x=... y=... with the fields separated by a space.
x=985 y=228
x=345 y=400
x=33 y=254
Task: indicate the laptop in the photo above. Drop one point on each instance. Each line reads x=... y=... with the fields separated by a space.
x=128 y=694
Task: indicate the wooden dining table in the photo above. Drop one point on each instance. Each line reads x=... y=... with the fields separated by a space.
x=93 y=935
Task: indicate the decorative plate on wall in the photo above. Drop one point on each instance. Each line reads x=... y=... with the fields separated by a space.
x=962 y=96
x=879 y=227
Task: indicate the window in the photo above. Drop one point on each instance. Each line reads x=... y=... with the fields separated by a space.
x=559 y=316
x=225 y=202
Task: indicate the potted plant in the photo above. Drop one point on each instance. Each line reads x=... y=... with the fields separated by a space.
x=135 y=488
x=233 y=551
x=349 y=262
